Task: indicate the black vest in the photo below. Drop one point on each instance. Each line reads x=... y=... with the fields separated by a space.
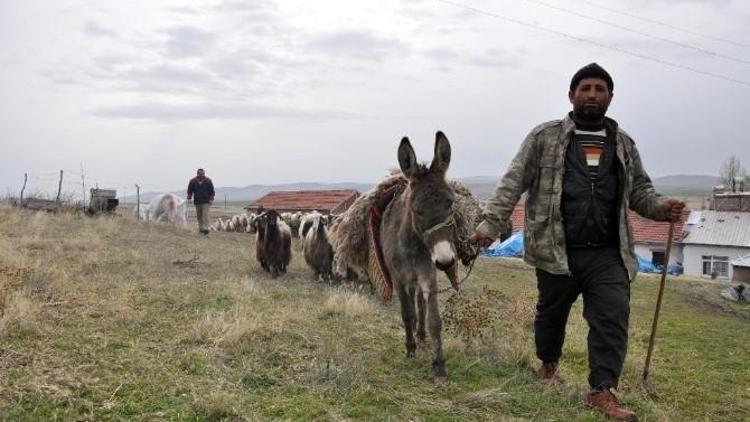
x=589 y=204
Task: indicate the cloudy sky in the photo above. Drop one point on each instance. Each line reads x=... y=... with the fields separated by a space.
x=270 y=91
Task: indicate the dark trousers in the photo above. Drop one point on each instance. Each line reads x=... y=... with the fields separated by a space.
x=599 y=275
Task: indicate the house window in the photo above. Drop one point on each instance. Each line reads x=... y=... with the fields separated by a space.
x=715 y=266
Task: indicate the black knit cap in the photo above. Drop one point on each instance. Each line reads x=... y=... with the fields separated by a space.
x=591 y=70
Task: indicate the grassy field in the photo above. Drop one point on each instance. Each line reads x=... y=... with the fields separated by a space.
x=109 y=319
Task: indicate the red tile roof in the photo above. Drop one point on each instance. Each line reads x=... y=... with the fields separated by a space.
x=655 y=232
x=325 y=201
x=518 y=217
x=644 y=230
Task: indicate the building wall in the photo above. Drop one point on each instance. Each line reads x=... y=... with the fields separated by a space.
x=731 y=202
x=741 y=275
x=693 y=255
x=645 y=251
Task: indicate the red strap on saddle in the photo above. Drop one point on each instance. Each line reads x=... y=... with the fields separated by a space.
x=375 y=219
x=386 y=287
x=376 y=213
x=385 y=198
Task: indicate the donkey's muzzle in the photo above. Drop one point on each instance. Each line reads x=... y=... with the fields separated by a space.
x=443 y=255
x=445 y=266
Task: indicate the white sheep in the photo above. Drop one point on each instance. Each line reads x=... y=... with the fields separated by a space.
x=252 y=223
x=168 y=208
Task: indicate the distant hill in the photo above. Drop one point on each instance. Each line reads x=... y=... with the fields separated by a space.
x=676 y=185
x=697 y=185
x=686 y=184
x=252 y=192
x=684 y=180
x=482 y=186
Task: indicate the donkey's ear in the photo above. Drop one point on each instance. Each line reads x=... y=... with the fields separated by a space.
x=406 y=158
x=442 y=153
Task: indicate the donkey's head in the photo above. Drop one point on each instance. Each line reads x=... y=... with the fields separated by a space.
x=430 y=200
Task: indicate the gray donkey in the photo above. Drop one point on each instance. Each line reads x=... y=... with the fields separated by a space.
x=417 y=237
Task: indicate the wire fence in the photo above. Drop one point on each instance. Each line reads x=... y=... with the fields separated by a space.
x=69 y=186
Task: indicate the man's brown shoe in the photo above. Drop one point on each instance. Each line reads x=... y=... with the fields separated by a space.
x=549 y=373
x=607 y=403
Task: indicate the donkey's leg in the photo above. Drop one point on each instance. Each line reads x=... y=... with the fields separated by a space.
x=421 y=309
x=436 y=326
x=412 y=291
x=407 y=315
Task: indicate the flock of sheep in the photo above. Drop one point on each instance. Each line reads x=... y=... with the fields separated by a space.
x=242 y=223
x=273 y=232
x=246 y=223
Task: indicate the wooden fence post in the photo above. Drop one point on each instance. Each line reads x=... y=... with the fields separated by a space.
x=138 y=202
x=59 y=188
x=83 y=187
x=25 y=178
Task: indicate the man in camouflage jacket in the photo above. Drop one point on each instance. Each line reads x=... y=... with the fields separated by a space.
x=581 y=175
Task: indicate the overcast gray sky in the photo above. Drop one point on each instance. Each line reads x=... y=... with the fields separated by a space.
x=277 y=91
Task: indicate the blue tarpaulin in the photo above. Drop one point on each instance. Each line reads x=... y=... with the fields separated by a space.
x=676 y=269
x=645 y=266
x=511 y=247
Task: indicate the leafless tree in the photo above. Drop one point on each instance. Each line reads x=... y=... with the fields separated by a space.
x=732 y=173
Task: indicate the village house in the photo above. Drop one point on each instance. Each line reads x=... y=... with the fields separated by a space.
x=715 y=239
x=650 y=238
x=730 y=201
x=324 y=201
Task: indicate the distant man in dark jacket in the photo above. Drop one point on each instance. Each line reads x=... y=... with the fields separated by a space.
x=201 y=192
x=581 y=174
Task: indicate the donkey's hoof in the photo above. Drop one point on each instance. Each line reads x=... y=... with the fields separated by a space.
x=411 y=353
x=442 y=382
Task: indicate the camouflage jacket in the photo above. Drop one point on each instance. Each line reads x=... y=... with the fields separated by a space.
x=537 y=170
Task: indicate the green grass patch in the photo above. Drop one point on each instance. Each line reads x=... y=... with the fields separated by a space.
x=106 y=322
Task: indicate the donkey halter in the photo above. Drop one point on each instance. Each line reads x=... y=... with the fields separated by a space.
x=448 y=222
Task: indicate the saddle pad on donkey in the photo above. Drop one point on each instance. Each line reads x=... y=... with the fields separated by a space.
x=377 y=271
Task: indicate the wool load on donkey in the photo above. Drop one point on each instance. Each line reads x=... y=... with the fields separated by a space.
x=399 y=234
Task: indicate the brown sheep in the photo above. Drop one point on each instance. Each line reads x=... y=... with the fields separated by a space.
x=274 y=247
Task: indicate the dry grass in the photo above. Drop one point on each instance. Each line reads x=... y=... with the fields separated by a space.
x=111 y=319
x=348 y=303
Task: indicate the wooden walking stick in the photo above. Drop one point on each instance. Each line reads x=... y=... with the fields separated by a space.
x=658 y=302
